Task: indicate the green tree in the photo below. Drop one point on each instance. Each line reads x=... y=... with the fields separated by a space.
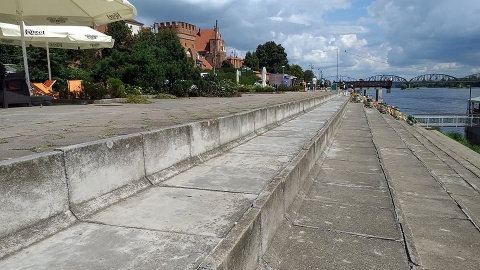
x=10 y=54
x=272 y=56
x=308 y=76
x=157 y=63
x=251 y=61
x=122 y=35
x=227 y=64
x=296 y=71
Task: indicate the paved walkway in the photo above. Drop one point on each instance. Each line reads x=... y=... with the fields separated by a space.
x=387 y=196
x=29 y=130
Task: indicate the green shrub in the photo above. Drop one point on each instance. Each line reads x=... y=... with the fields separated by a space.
x=94 y=90
x=137 y=99
x=133 y=90
x=244 y=88
x=165 y=96
x=459 y=138
x=2 y=70
x=115 y=88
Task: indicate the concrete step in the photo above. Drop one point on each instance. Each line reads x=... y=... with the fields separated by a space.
x=344 y=218
x=221 y=212
x=441 y=232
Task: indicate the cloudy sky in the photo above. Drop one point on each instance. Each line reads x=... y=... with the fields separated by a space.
x=401 y=37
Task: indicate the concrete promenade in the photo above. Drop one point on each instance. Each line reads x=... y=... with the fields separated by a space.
x=387 y=196
x=26 y=131
x=336 y=187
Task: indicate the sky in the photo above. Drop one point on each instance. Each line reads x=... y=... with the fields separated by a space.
x=406 y=38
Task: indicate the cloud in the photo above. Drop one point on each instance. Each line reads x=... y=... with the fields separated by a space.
x=430 y=31
x=382 y=36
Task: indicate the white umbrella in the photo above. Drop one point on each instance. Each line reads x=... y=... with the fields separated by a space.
x=63 y=12
x=264 y=77
x=51 y=36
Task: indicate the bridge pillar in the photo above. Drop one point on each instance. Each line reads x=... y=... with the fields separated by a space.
x=378 y=94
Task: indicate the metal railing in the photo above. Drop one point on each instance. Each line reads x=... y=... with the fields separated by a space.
x=448 y=120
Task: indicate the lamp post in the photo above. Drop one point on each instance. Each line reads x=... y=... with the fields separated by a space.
x=283 y=75
x=470 y=100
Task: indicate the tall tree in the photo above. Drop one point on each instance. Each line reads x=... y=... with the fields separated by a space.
x=296 y=71
x=308 y=76
x=272 y=56
x=121 y=33
x=251 y=61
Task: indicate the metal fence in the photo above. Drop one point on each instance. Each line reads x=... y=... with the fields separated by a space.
x=455 y=120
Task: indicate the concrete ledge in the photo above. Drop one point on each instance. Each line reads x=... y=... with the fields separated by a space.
x=33 y=190
x=240 y=249
x=246 y=243
x=165 y=148
x=97 y=168
x=205 y=137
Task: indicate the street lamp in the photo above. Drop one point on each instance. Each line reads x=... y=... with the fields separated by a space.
x=470 y=100
x=283 y=75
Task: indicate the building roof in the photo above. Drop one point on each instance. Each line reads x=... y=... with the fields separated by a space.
x=202 y=41
x=205 y=64
x=133 y=21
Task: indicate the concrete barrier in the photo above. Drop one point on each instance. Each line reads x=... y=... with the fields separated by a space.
x=205 y=137
x=271 y=116
x=247 y=123
x=260 y=120
x=229 y=128
x=164 y=148
x=245 y=244
x=33 y=190
x=96 y=169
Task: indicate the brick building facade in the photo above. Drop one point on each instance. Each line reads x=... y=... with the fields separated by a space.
x=204 y=46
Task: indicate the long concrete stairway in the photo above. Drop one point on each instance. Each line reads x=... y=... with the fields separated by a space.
x=210 y=210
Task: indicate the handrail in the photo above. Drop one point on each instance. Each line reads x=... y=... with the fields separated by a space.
x=448 y=120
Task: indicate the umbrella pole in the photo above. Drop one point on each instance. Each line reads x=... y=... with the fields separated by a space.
x=24 y=51
x=48 y=61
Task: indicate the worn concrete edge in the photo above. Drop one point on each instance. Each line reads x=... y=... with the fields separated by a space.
x=406 y=233
x=468 y=158
x=245 y=244
x=26 y=236
x=448 y=152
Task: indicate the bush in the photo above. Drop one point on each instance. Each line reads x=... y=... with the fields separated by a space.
x=133 y=90
x=94 y=90
x=244 y=88
x=115 y=88
x=2 y=70
x=165 y=96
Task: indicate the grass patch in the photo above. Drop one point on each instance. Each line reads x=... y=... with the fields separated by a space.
x=165 y=96
x=459 y=138
x=137 y=99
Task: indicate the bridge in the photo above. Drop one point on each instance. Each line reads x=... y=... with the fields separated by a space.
x=448 y=120
x=429 y=80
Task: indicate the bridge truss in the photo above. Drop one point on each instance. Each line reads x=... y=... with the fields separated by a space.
x=433 y=78
x=392 y=78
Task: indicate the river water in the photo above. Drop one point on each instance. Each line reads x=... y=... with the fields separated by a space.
x=430 y=101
